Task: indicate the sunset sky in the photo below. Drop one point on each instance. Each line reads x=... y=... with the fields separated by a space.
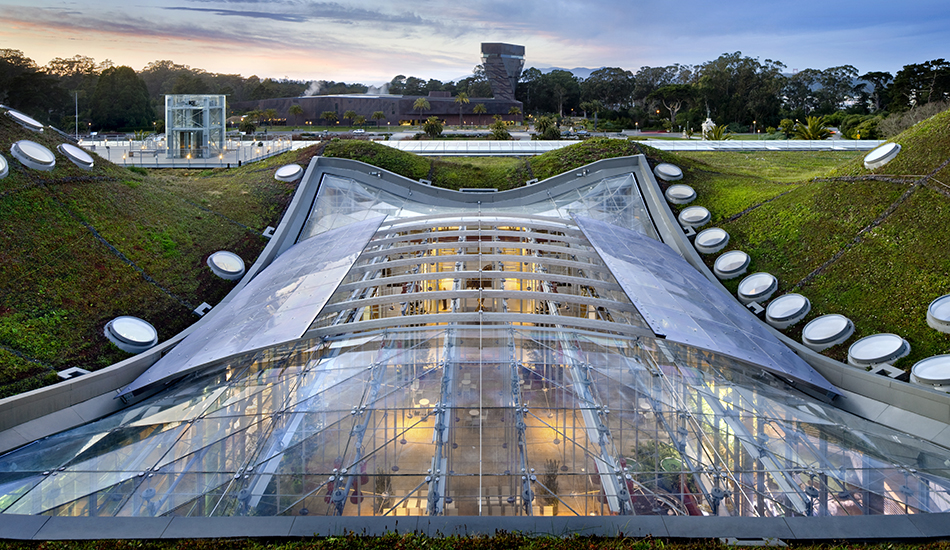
x=370 y=41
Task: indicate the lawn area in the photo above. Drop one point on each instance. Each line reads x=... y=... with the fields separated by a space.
x=79 y=248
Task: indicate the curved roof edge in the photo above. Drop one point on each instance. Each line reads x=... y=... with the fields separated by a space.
x=913 y=527
x=914 y=409
x=26 y=417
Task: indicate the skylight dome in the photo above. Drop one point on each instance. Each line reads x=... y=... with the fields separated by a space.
x=26 y=121
x=712 y=240
x=680 y=194
x=826 y=331
x=131 y=334
x=731 y=264
x=78 y=157
x=881 y=156
x=33 y=155
x=226 y=265
x=877 y=349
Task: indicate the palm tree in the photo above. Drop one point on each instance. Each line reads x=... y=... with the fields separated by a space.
x=461 y=99
x=328 y=116
x=421 y=104
x=296 y=111
x=360 y=120
x=479 y=109
x=814 y=128
x=719 y=132
x=270 y=115
x=377 y=116
x=349 y=115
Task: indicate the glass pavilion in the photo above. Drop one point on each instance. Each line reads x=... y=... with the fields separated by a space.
x=543 y=356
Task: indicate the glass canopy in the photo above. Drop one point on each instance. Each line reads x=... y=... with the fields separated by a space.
x=477 y=361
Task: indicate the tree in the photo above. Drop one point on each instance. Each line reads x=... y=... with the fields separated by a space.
x=421 y=104
x=295 y=110
x=814 y=128
x=270 y=115
x=612 y=86
x=562 y=88
x=461 y=99
x=837 y=87
x=546 y=128
x=349 y=114
x=328 y=116
x=12 y=64
x=377 y=116
x=499 y=131
x=879 y=81
x=921 y=83
x=247 y=126
x=432 y=127
x=121 y=100
x=514 y=111
x=360 y=120
x=741 y=89
x=190 y=83
x=479 y=110
x=673 y=97
x=720 y=132
x=801 y=91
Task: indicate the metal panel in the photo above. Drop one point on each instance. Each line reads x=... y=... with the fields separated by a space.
x=680 y=304
x=277 y=306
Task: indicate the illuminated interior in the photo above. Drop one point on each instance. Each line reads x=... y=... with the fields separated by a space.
x=475 y=360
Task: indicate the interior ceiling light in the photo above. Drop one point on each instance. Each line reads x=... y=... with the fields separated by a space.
x=78 y=157
x=33 y=155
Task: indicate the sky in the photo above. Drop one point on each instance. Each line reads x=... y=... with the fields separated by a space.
x=370 y=41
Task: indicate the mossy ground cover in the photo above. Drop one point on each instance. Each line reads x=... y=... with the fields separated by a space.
x=501 y=541
x=78 y=248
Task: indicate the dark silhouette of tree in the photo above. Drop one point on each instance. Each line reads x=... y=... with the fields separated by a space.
x=121 y=101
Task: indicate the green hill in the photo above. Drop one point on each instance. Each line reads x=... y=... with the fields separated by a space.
x=871 y=245
x=78 y=248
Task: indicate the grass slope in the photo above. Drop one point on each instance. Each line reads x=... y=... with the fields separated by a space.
x=78 y=248
x=870 y=245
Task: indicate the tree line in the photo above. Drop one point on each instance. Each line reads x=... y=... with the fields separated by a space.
x=733 y=89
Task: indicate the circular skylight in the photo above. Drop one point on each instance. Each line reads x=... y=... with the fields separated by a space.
x=694 y=216
x=33 y=155
x=877 y=349
x=668 y=172
x=78 y=157
x=731 y=264
x=786 y=310
x=712 y=240
x=4 y=167
x=881 y=156
x=826 y=331
x=932 y=370
x=756 y=287
x=680 y=194
x=226 y=265
x=131 y=334
x=27 y=122
x=938 y=314
x=290 y=172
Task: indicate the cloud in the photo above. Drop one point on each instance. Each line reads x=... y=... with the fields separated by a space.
x=242 y=13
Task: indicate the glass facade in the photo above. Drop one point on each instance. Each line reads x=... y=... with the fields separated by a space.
x=194 y=125
x=482 y=361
